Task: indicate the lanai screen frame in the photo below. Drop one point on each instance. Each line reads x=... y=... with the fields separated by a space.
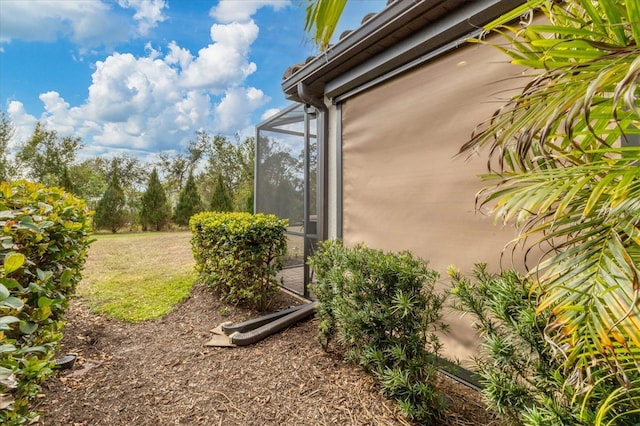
x=281 y=123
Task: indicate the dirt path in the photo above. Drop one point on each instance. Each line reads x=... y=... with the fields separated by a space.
x=160 y=373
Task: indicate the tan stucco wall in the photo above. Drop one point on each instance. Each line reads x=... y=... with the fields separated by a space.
x=403 y=189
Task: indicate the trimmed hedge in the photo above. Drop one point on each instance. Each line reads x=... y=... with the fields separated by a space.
x=239 y=254
x=44 y=243
x=383 y=311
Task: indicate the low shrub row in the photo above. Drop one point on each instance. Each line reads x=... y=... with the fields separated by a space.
x=382 y=310
x=44 y=243
x=239 y=254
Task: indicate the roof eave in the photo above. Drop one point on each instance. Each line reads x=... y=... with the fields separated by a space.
x=453 y=25
x=344 y=49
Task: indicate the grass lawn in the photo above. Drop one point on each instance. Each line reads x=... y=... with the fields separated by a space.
x=137 y=277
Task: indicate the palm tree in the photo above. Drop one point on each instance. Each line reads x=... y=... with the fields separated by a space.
x=565 y=172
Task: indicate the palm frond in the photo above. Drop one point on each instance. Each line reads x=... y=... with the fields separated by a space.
x=562 y=173
x=322 y=17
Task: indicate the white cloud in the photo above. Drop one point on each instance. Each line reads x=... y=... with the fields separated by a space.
x=153 y=102
x=124 y=86
x=192 y=111
x=22 y=122
x=58 y=115
x=233 y=10
x=178 y=55
x=232 y=113
x=269 y=113
x=48 y=20
x=142 y=103
x=86 y=23
x=223 y=63
x=148 y=13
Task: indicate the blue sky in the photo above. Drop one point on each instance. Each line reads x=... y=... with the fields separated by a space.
x=141 y=76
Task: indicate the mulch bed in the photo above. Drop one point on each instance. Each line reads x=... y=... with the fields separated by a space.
x=160 y=373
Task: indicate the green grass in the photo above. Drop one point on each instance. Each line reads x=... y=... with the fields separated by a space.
x=138 y=277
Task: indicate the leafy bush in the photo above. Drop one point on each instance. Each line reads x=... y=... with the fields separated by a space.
x=522 y=377
x=44 y=247
x=383 y=311
x=238 y=254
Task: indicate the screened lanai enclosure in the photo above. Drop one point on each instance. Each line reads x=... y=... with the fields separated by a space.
x=287 y=186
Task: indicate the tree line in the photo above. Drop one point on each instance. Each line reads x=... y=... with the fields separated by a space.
x=212 y=173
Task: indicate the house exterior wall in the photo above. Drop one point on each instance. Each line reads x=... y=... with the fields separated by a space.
x=402 y=188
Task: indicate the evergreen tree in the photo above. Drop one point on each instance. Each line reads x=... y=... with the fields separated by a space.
x=249 y=202
x=221 y=200
x=189 y=202
x=110 y=212
x=155 y=211
x=66 y=182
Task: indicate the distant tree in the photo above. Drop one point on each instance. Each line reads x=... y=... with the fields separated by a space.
x=189 y=202
x=90 y=179
x=221 y=200
x=132 y=175
x=47 y=157
x=281 y=179
x=235 y=161
x=7 y=168
x=111 y=210
x=225 y=158
x=155 y=211
x=176 y=167
x=66 y=182
x=243 y=192
x=248 y=207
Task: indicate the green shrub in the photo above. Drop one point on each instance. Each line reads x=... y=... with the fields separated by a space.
x=383 y=311
x=44 y=247
x=238 y=254
x=523 y=379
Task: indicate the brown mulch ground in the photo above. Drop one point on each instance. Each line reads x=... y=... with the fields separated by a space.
x=160 y=373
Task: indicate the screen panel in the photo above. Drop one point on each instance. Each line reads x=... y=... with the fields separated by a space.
x=286 y=186
x=280 y=176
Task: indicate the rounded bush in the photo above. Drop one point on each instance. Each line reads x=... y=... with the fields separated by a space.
x=239 y=254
